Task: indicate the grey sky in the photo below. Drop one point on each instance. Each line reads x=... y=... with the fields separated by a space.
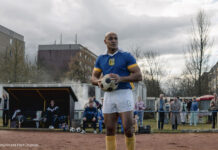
x=159 y=25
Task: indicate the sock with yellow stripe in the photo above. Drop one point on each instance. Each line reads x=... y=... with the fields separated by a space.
x=130 y=142
x=111 y=143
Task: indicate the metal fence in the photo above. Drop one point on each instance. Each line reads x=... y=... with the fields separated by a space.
x=203 y=118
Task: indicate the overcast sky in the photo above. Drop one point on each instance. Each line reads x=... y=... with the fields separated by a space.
x=160 y=25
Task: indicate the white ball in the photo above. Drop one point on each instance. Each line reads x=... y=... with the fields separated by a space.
x=72 y=129
x=78 y=129
x=107 y=84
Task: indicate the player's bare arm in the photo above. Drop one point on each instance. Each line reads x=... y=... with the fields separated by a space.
x=135 y=76
x=95 y=79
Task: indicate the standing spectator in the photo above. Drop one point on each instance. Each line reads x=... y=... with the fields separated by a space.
x=175 y=111
x=167 y=106
x=135 y=116
x=119 y=122
x=171 y=102
x=139 y=107
x=100 y=117
x=189 y=104
x=160 y=108
x=52 y=114
x=97 y=103
x=194 y=114
x=5 y=110
x=90 y=116
x=214 y=108
x=183 y=111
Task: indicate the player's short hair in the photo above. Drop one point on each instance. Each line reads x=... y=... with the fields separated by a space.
x=107 y=33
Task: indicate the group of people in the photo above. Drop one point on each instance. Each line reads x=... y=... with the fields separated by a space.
x=93 y=115
x=50 y=116
x=181 y=110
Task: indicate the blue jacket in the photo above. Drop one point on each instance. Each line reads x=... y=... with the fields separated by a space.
x=100 y=115
x=194 y=106
x=90 y=113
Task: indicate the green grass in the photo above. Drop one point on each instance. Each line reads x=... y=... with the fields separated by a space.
x=168 y=127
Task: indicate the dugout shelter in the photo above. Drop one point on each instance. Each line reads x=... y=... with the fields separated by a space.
x=33 y=97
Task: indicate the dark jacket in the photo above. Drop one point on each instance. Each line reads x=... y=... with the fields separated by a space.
x=52 y=110
x=90 y=112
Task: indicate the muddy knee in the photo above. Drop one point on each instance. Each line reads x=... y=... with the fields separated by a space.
x=110 y=131
x=129 y=131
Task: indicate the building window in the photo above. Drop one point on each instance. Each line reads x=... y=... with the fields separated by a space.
x=11 y=41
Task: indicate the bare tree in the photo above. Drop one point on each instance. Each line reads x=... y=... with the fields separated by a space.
x=15 y=67
x=152 y=69
x=137 y=52
x=12 y=64
x=197 y=54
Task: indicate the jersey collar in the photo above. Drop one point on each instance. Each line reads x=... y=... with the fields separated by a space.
x=113 y=53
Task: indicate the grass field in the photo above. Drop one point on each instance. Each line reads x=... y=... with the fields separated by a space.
x=168 y=127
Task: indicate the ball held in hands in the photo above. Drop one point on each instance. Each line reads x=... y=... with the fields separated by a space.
x=108 y=83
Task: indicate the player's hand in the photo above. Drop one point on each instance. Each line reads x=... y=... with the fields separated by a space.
x=115 y=77
x=99 y=83
x=84 y=118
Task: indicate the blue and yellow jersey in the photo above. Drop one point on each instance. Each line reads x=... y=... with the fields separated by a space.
x=118 y=63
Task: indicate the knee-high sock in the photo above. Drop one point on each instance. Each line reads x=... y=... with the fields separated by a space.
x=111 y=143
x=130 y=142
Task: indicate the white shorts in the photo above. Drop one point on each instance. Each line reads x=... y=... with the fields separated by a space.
x=118 y=101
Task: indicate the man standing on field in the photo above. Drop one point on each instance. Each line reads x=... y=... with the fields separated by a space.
x=123 y=69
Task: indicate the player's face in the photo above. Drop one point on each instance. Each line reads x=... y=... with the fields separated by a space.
x=111 y=40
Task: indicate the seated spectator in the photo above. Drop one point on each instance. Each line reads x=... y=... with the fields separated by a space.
x=87 y=104
x=90 y=116
x=62 y=120
x=52 y=114
x=17 y=117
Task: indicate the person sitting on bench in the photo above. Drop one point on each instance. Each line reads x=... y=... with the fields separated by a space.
x=90 y=116
x=17 y=117
x=52 y=114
